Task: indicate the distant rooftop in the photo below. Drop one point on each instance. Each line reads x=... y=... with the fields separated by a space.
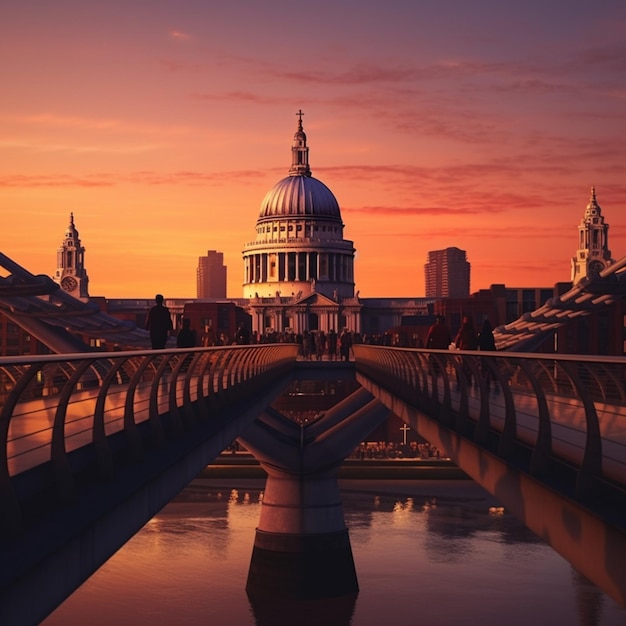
x=39 y=306
x=587 y=296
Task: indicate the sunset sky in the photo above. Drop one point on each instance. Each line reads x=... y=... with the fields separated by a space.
x=161 y=125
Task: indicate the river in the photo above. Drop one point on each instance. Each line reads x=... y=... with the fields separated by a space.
x=426 y=552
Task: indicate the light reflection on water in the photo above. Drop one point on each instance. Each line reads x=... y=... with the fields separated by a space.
x=424 y=552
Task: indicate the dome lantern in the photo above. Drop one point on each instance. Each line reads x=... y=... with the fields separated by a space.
x=299 y=152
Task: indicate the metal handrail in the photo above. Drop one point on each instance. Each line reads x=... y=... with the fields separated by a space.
x=565 y=408
x=52 y=405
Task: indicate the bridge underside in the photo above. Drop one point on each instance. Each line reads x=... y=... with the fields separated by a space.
x=63 y=543
x=67 y=535
x=596 y=549
x=301 y=522
x=302 y=548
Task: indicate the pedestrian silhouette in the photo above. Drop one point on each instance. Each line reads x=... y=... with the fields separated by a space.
x=486 y=342
x=242 y=336
x=466 y=340
x=186 y=336
x=438 y=337
x=159 y=323
x=466 y=337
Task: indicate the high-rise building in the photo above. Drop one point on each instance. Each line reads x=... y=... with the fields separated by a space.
x=447 y=274
x=71 y=273
x=211 y=275
x=593 y=254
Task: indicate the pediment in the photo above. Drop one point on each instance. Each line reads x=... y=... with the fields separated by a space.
x=317 y=299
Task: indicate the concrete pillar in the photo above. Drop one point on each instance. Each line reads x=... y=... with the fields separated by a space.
x=302 y=548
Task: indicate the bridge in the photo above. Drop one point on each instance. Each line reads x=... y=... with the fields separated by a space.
x=95 y=444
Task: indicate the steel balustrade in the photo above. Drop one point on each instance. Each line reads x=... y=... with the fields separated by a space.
x=565 y=409
x=569 y=409
x=512 y=419
x=51 y=405
x=55 y=404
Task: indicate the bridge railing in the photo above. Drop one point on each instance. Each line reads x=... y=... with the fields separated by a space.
x=570 y=408
x=52 y=405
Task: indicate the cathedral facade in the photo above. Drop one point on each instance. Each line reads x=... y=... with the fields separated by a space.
x=299 y=270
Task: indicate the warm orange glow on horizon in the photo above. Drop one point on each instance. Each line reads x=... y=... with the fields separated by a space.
x=162 y=134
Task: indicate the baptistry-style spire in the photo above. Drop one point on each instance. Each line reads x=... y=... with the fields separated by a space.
x=593 y=208
x=71 y=273
x=299 y=152
x=593 y=254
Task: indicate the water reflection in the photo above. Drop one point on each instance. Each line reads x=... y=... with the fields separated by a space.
x=329 y=612
x=437 y=555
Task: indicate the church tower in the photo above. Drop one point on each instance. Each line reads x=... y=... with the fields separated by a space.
x=593 y=253
x=71 y=273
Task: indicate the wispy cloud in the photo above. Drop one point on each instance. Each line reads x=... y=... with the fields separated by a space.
x=609 y=56
x=450 y=232
x=172 y=65
x=399 y=213
x=59 y=180
x=238 y=96
x=47 y=120
x=179 y=35
x=145 y=177
x=65 y=121
x=194 y=178
x=47 y=146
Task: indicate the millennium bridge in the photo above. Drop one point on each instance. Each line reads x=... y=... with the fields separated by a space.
x=95 y=444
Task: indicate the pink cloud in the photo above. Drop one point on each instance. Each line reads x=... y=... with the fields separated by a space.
x=179 y=35
x=57 y=180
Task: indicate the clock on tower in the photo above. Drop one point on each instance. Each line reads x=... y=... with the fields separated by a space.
x=69 y=283
x=70 y=273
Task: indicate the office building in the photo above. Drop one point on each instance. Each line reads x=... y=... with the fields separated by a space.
x=447 y=274
x=211 y=276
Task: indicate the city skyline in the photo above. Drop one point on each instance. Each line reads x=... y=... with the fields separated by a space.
x=161 y=127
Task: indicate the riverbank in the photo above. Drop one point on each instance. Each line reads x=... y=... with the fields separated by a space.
x=246 y=466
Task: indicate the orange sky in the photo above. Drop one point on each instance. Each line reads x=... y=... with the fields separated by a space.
x=161 y=126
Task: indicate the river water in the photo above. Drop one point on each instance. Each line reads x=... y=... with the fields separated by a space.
x=426 y=552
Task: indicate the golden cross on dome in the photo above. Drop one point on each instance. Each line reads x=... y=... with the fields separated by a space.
x=300 y=114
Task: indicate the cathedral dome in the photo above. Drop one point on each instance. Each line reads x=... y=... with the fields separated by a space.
x=300 y=195
x=299 y=247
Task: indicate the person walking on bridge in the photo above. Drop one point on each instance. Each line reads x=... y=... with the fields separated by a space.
x=345 y=344
x=438 y=338
x=159 y=323
x=466 y=340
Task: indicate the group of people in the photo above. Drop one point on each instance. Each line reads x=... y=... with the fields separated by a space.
x=467 y=338
x=159 y=325
x=318 y=344
x=392 y=450
x=315 y=344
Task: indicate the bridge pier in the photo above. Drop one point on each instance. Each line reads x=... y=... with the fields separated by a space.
x=302 y=546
